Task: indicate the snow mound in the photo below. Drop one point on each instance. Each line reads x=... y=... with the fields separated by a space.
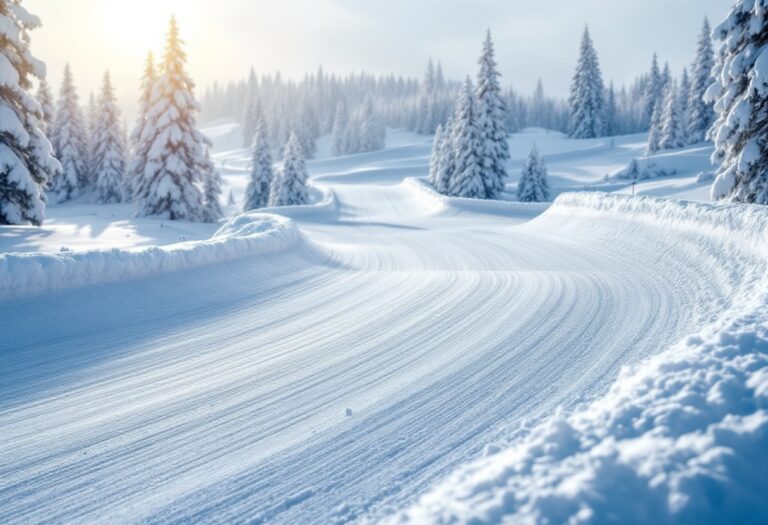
x=323 y=205
x=445 y=204
x=243 y=235
x=681 y=438
x=667 y=164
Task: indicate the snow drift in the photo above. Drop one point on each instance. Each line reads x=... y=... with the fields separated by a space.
x=680 y=438
x=243 y=235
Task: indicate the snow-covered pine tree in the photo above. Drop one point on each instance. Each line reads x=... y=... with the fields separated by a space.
x=434 y=160
x=372 y=134
x=108 y=146
x=672 y=131
x=252 y=109
x=586 y=102
x=683 y=94
x=26 y=158
x=69 y=142
x=177 y=157
x=211 y=192
x=701 y=113
x=467 y=178
x=611 y=113
x=91 y=115
x=45 y=99
x=290 y=187
x=740 y=92
x=491 y=125
x=654 y=134
x=260 y=183
x=339 y=130
x=141 y=137
x=653 y=93
x=447 y=162
x=533 y=185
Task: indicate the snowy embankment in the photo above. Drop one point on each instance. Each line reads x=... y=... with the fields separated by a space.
x=244 y=235
x=680 y=438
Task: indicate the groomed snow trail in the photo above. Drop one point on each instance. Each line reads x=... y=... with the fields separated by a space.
x=337 y=380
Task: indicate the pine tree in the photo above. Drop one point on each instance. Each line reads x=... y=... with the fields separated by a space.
x=653 y=93
x=338 y=133
x=672 y=131
x=177 y=157
x=701 y=114
x=372 y=135
x=586 y=102
x=447 y=160
x=260 y=183
x=434 y=161
x=611 y=113
x=45 y=99
x=109 y=147
x=654 y=134
x=252 y=110
x=290 y=187
x=91 y=116
x=142 y=136
x=211 y=193
x=683 y=94
x=467 y=178
x=69 y=142
x=533 y=185
x=741 y=94
x=26 y=158
x=491 y=126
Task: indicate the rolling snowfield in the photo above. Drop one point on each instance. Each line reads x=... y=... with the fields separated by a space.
x=387 y=353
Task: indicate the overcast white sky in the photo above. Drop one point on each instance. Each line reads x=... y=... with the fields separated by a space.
x=534 y=38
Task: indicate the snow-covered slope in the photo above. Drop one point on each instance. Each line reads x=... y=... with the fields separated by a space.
x=338 y=378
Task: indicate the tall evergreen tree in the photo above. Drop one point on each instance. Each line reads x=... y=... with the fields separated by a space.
x=672 y=131
x=701 y=114
x=653 y=93
x=69 y=142
x=91 y=116
x=611 y=113
x=586 y=103
x=435 y=158
x=654 y=134
x=260 y=183
x=467 y=177
x=142 y=136
x=45 y=99
x=533 y=185
x=741 y=94
x=372 y=132
x=290 y=187
x=177 y=157
x=108 y=146
x=338 y=133
x=683 y=94
x=491 y=113
x=26 y=157
x=447 y=160
x=211 y=192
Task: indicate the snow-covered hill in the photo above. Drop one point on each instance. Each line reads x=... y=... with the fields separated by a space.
x=385 y=338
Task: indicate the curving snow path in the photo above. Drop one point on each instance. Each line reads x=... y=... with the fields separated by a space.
x=338 y=380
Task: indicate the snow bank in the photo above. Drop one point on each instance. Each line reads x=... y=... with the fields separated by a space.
x=461 y=204
x=681 y=438
x=244 y=235
x=666 y=164
x=323 y=205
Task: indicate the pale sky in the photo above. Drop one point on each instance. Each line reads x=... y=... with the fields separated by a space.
x=534 y=38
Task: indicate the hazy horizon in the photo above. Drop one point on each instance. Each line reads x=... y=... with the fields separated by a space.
x=345 y=36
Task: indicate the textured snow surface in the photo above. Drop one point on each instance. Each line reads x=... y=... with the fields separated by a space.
x=243 y=235
x=681 y=438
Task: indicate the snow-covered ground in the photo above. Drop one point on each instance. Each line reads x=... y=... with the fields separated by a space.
x=337 y=366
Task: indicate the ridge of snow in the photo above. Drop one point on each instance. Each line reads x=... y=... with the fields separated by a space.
x=679 y=438
x=249 y=234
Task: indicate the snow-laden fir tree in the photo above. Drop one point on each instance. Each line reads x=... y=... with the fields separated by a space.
x=672 y=130
x=586 y=102
x=45 y=99
x=141 y=136
x=447 y=158
x=372 y=133
x=654 y=134
x=533 y=185
x=262 y=174
x=69 y=142
x=740 y=92
x=339 y=131
x=108 y=146
x=434 y=160
x=683 y=96
x=611 y=118
x=289 y=188
x=91 y=115
x=491 y=114
x=178 y=156
x=26 y=157
x=701 y=113
x=211 y=192
x=252 y=112
x=467 y=177
x=653 y=92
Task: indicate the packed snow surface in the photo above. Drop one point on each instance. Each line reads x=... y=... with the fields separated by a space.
x=391 y=336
